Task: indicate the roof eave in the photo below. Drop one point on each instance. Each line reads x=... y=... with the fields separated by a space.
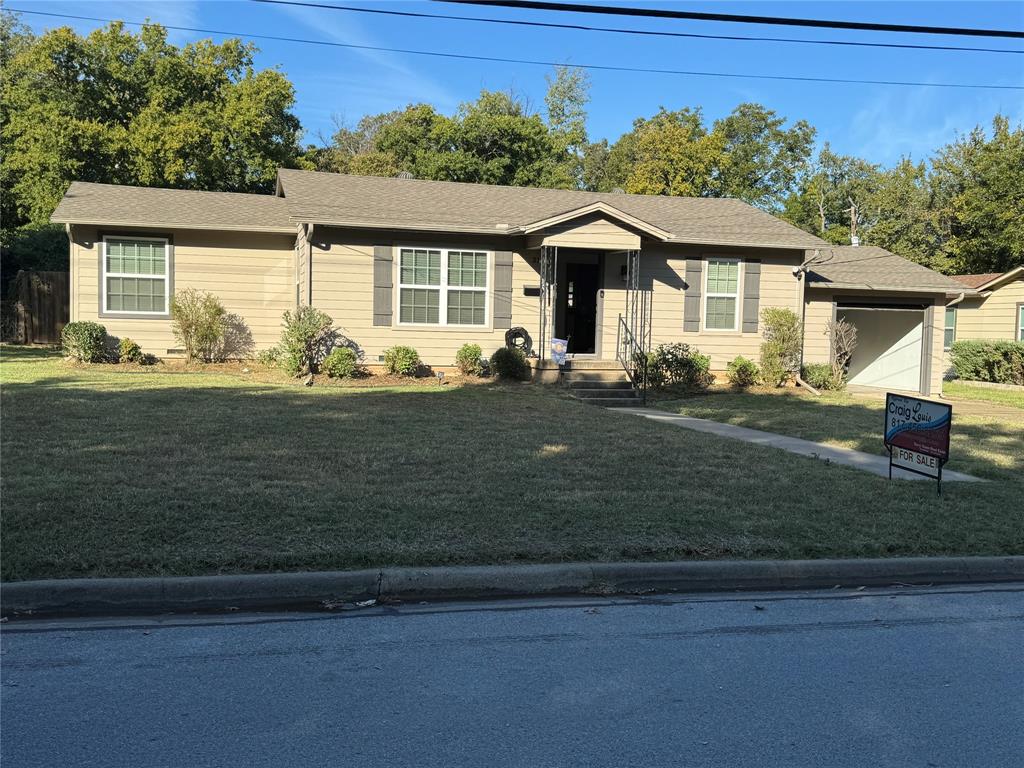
x=882 y=287
x=995 y=282
x=598 y=207
x=172 y=225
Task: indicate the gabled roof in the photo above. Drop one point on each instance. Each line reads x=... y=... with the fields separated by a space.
x=116 y=205
x=417 y=204
x=604 y=209
x=869 y=267
x=989 y=280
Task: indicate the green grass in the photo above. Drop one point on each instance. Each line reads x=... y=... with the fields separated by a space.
x=958 y=390
x=112 y=472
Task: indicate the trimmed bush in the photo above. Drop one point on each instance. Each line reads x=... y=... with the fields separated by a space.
x=783 y=340
x=307 y=337
x=84 y=341
x=510 y=364
x=998 y=361
x=822 y=376
x=404 y=361
x=680 y=366
x=197 y=322
x=128 y=351
x=468 y=361
x=742 y=373
x=341 y=363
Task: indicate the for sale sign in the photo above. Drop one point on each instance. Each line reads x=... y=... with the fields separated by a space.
x=917 y=433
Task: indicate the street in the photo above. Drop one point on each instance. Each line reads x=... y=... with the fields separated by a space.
x=894 y=677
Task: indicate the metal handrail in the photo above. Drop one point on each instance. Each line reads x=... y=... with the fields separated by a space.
x=630 y=354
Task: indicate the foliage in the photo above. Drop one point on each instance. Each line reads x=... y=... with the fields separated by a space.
x=341 y=363
x=269 y=357
x=32 y=247
x=402 y=360
x=821 y=376
x=742 y=373
x=673 y=154
x=132 y=108
x=566 y=102
x=128 y=351
x=510 y=364
x=84 y=341
x=306 y=339
x=998 y=361
x=468 y=361
x=197 y=322
x=783 y=341
x=842 y=340
x=679 y=366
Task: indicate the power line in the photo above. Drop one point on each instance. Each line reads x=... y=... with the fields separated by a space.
x=537 y=62
x=661 y=13
x=625 y=31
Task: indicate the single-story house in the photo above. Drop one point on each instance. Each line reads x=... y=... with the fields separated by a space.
x=993 y=311
x=437 y=264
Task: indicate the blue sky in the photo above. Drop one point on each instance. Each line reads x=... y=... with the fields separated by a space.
x=880 y=123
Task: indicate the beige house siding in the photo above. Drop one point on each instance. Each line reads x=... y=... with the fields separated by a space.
x=251 y=273
x=591 y=231
x=342 y=267
x=994 y=317
x=819 y=310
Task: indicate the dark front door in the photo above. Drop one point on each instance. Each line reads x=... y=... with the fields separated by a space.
x=582 y=283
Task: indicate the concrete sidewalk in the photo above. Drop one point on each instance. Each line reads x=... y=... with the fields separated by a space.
x=869 y=462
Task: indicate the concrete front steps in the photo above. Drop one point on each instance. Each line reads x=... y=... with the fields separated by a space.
x=599 y=382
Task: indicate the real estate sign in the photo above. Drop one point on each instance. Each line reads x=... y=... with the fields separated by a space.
x=917 y=434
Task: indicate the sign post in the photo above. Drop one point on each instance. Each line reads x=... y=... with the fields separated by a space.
x=917 y=434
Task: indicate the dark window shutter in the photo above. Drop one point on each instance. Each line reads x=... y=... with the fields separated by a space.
x=751 y=295
x=691 y=300
x=503 y=289
x=383 y=284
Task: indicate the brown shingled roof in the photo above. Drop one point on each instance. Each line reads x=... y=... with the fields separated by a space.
x=115 y=205
x=371 y=201
x=973 y=281
x=869 y=267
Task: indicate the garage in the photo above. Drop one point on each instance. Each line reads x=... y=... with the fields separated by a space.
x=890 y=345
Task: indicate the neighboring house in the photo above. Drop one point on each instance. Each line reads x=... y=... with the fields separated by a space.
x=437 y=264
x=994 y=311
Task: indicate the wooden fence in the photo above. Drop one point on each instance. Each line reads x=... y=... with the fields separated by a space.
x=41 y=307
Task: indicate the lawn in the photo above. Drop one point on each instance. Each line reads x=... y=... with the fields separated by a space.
x=963 y=390
x=114 y=472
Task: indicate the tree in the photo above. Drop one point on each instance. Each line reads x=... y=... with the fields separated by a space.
x=673 y=154
x=764 y=159
x=566 y=101
x=904 y=217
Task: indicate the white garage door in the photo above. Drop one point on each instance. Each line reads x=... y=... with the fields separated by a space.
x=888 y=352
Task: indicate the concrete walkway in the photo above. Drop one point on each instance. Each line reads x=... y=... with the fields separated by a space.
x=869 y=462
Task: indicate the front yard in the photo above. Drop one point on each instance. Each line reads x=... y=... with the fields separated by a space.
x=113 y=472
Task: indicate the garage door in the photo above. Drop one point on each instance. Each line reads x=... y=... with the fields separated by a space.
x=888 y=352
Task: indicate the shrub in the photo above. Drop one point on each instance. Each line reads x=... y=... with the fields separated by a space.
x=679 y=365
x=269 y=357
x=822 y=376
x=842 y=340
x=783 y=340
x=84 y=341
x=341 y=363
x=401 y=360
x=307 y=337
x=510 y=364
x=197 y=321
x=128 y=351
x=742 y=373
x=468 y=361
x=998 y=361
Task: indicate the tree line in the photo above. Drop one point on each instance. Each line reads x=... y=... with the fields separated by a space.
x=130 y=108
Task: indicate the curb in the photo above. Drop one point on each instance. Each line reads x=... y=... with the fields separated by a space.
x=340 y=589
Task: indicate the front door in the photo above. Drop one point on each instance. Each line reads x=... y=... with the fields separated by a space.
x=582 y=285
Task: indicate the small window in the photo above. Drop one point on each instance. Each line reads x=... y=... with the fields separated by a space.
x=950 y=330
x=1020 y=322
x=721 y=301
x=429 y=279
x=135 y=276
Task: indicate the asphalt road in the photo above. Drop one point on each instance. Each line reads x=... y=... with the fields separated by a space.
x=912 y=677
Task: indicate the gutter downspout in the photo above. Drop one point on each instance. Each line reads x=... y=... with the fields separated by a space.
x=309 y=264
x=801 y=275
x=72 y=315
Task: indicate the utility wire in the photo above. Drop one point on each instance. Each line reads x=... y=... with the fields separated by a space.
x=537 y=62
x=662 y=13
x=624 y=31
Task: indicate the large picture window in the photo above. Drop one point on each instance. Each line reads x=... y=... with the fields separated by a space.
x=721 y=291
x=438 y=286
x=135 y=275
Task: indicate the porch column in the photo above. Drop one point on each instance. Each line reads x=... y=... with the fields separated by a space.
x=548 y=297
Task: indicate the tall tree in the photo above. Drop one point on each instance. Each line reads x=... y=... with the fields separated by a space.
x=566 y=101
x=903 y=215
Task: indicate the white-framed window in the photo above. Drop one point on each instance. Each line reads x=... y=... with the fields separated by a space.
x=721 y=294
x=949 y=331
x=1020 y=322
x=443 y=286
x=136 y=275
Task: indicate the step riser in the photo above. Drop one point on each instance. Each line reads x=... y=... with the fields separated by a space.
x=617 y=384
x=603 y=394
x=592 y=365
x=594 y=376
